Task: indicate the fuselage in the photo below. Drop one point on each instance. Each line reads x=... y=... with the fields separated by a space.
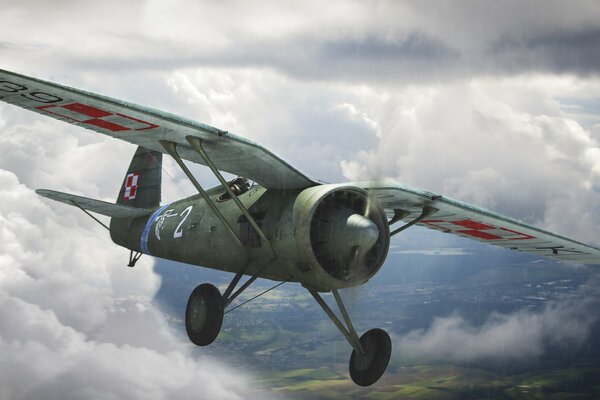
x=188 y=231
x=316 y=236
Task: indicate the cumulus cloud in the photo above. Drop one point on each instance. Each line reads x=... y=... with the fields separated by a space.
x=409 y=90
x=74 y=321
x=42 y=358
x=307 y=128
x=522 y=336
x=505 y=145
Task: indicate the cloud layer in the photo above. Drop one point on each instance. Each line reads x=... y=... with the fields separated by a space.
x=507 y=145
x=523 y=336
x=491 y=103
x=351 y=41
x=74 y=321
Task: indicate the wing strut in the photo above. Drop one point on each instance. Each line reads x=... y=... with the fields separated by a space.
x=227 y=297
x=427 y=211
x=171 y=148
x=196 y=144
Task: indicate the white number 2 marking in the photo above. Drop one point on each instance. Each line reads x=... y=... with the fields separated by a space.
x=178 y=231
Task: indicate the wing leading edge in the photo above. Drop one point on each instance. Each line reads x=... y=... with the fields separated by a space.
x=146 y=127
x=462 y=219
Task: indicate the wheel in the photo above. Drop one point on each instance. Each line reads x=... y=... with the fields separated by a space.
x=366 y=369
x=204 y=314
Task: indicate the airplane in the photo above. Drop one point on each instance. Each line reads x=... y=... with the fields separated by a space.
x=282 y=226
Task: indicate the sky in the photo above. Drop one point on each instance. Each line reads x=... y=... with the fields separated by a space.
x=497 y=104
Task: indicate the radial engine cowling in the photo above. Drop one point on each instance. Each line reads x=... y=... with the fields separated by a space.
x=342 y=236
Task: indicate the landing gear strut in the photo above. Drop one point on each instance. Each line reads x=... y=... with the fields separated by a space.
x=372 y=351
x=206 y=307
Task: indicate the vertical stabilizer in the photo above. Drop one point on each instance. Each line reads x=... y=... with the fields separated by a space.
x=142 y=184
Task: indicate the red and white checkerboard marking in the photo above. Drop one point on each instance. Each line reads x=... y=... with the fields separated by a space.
x=477 y=230
x=84 y=114
x=131 y=184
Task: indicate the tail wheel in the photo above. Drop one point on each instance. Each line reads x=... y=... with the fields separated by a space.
x=367 y=368
x=204 y=314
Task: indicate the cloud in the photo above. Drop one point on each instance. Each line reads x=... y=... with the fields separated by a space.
x=576 y=52
x=43 y=358
x=410 y=90
x=522 y=336
x=74 y=321
x=503 y=145
x=348 y=41
x=305 y=124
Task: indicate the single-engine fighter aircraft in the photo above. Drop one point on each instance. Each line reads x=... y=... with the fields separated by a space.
x=285 y=226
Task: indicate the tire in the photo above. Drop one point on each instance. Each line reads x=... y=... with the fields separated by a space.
x=204 y=314
x=366 y=369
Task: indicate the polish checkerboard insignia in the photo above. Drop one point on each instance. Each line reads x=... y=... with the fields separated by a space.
x=131 y=184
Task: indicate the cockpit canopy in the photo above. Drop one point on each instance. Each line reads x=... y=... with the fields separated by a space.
x=238 y=186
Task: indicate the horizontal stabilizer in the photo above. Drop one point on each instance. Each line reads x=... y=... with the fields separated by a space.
x=97 y=206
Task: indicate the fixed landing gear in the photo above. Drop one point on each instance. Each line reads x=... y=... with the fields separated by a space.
x=206 y=308
x=204 y=314
x=367 y=368
x=372 y=351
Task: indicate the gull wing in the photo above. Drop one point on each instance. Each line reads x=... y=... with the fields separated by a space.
x=466 y=220
x=146 y=127
x=97 y=206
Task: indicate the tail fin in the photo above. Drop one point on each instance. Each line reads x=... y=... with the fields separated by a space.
x=142 y=184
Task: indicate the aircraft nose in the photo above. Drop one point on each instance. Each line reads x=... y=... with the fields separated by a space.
x=355 y=235
x=360 y=231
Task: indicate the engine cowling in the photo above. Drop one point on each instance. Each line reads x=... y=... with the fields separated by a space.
x=342 y=236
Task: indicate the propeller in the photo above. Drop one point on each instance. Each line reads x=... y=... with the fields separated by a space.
x=345 y=229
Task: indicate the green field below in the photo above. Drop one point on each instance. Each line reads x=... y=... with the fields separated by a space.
x=291 y=348
x=439 y=382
